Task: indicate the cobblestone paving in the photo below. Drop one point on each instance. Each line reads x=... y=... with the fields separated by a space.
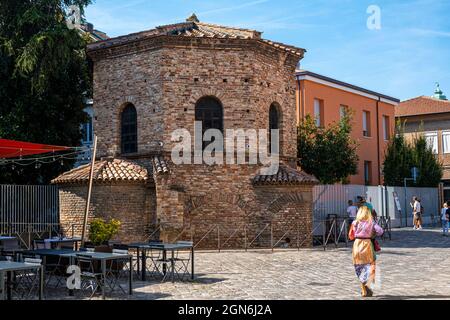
x=414 y=265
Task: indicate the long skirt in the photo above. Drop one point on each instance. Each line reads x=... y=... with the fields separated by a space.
x=364 y=260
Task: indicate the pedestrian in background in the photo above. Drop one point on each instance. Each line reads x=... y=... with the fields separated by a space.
x=445 y=217
x=352 y=211
x=364 y=230
x=417 y=213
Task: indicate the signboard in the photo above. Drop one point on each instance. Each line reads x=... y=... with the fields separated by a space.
x=397 y=201
x=415 y=174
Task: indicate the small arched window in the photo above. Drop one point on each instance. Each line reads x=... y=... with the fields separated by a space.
x=274 y=123
x=129 y=130
x=209 y=111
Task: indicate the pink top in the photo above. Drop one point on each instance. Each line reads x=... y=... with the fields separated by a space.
x=367 y=229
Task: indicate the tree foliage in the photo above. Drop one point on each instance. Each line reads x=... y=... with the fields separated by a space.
x=401 y=156
x=327 y=153
x=44 y=78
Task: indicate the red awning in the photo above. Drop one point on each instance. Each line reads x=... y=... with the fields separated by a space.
x=16 y=149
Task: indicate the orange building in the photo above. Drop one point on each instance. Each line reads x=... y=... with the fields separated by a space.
x=327 y=100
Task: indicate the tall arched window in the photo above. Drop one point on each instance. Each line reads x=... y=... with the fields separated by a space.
x=129 y=129
x=274 y=123
x=209 y=111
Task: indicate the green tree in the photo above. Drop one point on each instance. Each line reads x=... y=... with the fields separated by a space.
x=327 y=153
x=429 y=167
x=402 y=156
x=398 y=159
x=44 y=77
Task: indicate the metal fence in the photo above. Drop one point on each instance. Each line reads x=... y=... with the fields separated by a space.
x=333 y=199
x=28 y=209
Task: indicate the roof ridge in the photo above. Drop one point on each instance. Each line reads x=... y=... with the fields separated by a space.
x=227 y=27
x=426 y=97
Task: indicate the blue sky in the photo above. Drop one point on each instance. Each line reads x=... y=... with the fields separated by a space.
x=404 y=59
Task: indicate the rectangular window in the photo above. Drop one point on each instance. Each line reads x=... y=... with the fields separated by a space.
x=366 y=123
x=87 y=132
x=432 y=141
x=343 y=111
x=386 y=128
x=368 y=172
x=446 y=141
x=318 y=112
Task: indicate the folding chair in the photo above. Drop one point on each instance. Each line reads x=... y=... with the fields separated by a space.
x=39 y=244
x=91 y=276
x=11 y=248
x=116 y=270
x=26 y=282
x=182 y=260
x=157 y=266
x=55 y=271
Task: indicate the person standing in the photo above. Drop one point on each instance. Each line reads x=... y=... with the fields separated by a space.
x=352 y=211
x=417 y=212
x=363 y=230
x=445 y=219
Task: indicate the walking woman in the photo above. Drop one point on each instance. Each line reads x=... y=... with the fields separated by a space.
x=364 y=230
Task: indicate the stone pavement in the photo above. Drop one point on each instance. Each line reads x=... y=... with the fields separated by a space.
x=414 y=265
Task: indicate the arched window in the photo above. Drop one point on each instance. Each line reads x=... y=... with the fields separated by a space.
x=274 y=123
x=209 y=111
x=129 y=130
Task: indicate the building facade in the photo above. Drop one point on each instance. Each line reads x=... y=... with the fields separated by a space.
x=373 y=118
x=149 y=84
x=94 y=35
x=430 y=116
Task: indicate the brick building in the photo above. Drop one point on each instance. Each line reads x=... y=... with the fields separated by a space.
x=430 y=116
x=328 y=100
x=148 y=84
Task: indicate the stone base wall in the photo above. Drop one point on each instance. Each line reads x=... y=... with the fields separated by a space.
x=219 y=206
x=132 y=204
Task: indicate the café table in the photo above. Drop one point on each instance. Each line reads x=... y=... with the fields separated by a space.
x=8 y=268
x=54 y=243
x=103 y=258
x=142 y=248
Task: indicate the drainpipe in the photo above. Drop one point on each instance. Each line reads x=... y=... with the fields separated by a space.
x=378 y=141
x=299 y=106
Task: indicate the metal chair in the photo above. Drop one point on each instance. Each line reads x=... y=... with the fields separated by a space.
x=91 y=276
x=11 y=248
x=156 y=268
x=26 y=283
x=116 y=270
x=181 y=261
x=39 y=245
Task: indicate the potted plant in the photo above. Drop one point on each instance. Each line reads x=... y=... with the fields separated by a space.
x=101 y=231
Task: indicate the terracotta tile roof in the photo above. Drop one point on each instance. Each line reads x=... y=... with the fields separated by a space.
x=105 y=171
x=285 y=176
x=160 y=165
x=422 y=106
x=198 y=30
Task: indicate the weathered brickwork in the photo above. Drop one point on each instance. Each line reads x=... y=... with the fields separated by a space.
x=132 y=204
x=163 y=76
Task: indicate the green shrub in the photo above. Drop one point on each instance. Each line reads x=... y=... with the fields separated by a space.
x=101 y=231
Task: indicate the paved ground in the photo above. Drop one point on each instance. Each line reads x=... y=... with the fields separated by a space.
x=414 y=265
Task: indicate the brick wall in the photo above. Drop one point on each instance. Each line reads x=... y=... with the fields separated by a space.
x=165 y=83
x=200 y=199
x=164 y=78
x=133 y=205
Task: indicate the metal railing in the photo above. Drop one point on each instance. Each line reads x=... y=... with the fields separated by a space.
x=24 y=206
